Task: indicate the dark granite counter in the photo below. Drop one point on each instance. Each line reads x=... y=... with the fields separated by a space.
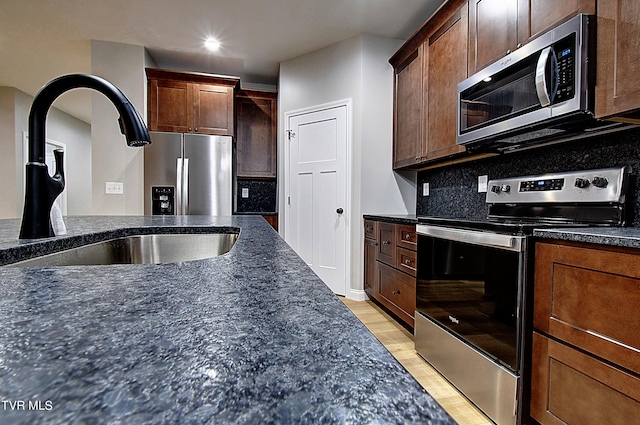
x=614 y=236
x=252 y=336
x=393 y=218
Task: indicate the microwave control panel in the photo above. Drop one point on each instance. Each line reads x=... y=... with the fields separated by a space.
x=565 y=55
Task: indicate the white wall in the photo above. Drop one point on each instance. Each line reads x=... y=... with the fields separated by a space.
x=357 y=69
x=8 y=193
x=112 y=160
x=14 y=116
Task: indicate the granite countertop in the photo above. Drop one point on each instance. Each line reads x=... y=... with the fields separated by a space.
x=252 y=336
x=613 y=236
x=393 y=218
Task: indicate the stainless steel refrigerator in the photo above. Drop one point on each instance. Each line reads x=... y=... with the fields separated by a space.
x=188 y=174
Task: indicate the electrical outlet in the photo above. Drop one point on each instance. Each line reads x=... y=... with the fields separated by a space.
x=425 y=189
x=114 y=188
x=482 y=184
x=245 y=192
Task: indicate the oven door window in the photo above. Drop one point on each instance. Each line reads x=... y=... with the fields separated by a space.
x=472 y=291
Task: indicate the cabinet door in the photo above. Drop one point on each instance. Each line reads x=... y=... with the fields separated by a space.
x=446 y=67
x=618 y=59
x=386 y=249
x=256 y=137
x=493 y=31
x=536 y=17
x=213 y=109
x=370 y=268
x=571 y=387
x=407 y=137
x=170 y=106
x=573 y=283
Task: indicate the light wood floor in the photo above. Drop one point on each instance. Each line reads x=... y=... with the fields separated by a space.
x=399 y=342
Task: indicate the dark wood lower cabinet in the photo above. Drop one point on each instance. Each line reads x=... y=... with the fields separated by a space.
x=397 y=292
x=390 y=267
x=571 y=387
x=586 y=340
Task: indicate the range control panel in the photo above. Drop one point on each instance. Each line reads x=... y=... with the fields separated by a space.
x=601 y=185
x=543 y=184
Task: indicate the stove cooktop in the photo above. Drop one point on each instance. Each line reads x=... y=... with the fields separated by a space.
x=517 y=205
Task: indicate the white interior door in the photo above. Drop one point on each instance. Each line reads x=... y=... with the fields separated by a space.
x=316 y=218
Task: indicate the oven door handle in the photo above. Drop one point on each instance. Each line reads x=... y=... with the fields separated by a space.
x=474 y=237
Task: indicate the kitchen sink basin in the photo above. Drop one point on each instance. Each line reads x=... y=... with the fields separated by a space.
x=139 y=249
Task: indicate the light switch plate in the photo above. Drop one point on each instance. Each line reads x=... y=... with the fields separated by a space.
x=425 y=189
x=482 y=184
x=114 y=188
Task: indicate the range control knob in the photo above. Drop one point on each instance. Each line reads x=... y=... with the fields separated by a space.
x=582 y=183
x=501 y=188
x=600 y=182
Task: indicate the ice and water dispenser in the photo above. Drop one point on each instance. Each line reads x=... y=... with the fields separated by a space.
x=163 y=200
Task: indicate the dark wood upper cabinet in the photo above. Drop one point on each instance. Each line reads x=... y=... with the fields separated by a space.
x=618 y=60
x=493 y=30
x=408 y=112
x=498 y=27
x=186 y=102
x=427 y=70
x=256 y=116
x=445 y=67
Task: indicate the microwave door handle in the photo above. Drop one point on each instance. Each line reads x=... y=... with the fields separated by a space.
x=541 y=76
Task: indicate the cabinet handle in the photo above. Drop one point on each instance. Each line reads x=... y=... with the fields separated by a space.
x=407 y=261
x=385 y=242
x=408 y=237
x=395 y=292
x=196 y=128
x=189 y=128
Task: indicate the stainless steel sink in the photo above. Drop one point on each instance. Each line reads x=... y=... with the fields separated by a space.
x=139 y=249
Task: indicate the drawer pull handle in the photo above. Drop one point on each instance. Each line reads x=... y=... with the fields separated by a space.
x=395 y=292
x=385 y=242
x=407 y=261
x=408 y=237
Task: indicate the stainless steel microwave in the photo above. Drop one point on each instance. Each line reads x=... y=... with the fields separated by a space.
x=541 y=91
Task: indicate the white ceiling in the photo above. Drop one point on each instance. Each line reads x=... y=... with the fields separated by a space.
x=42 y=39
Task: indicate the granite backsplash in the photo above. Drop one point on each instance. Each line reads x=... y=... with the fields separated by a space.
x=453 y=190
x=261 y=196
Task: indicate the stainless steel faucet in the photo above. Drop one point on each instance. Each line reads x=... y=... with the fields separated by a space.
x=41 y=190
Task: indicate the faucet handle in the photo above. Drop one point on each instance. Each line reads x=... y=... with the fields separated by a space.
x=58 y=154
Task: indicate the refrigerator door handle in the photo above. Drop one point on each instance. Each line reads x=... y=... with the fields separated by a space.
x=185 y=188
x=179 y=186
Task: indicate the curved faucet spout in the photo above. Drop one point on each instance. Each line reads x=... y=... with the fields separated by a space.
x=41 y=190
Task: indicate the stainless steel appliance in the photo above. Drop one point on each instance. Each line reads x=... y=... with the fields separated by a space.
x=188 y=174
x=472 y=320
x=542 y=91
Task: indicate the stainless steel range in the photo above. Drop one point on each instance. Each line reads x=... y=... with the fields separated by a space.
x=473 y=293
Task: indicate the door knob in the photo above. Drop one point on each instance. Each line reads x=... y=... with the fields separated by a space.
x=339 y=210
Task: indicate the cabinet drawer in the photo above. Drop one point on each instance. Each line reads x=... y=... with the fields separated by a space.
x=397 y=292
x=370 y=227
x=590 y=298
x=571 y=387
x=406 y=261
x=406 y=236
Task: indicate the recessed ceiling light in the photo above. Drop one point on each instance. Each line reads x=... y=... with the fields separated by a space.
x=212 y=44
